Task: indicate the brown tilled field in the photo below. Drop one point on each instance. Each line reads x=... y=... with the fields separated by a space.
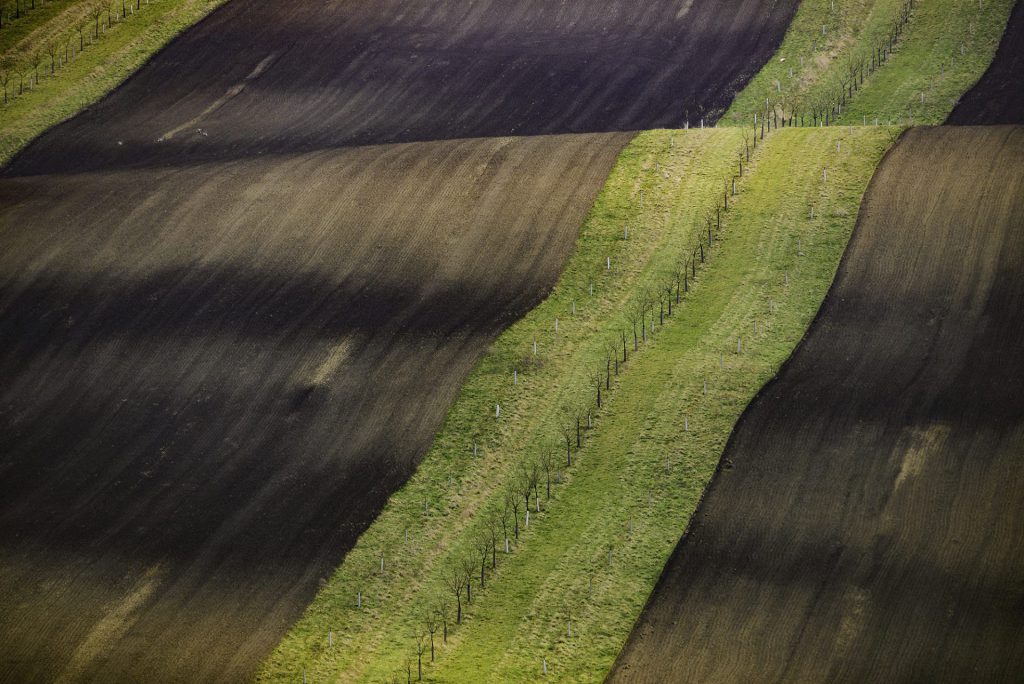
x=217 y=391
x=238 y=295
x=865 y=523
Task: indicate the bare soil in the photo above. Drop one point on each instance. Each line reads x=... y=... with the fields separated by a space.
x=260 y=78
x=998 y=97
x=865 y=523
x=239 y=294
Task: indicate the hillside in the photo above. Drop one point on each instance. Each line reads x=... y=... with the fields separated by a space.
x=240 y=293
x=595 y=547
x=866 y=522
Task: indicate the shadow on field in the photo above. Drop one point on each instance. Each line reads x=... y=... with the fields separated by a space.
x=238 y=295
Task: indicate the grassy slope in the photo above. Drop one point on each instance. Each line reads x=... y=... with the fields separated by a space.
x=927 y=60
x=16 y=30
x=93 y=73
x=639 y=476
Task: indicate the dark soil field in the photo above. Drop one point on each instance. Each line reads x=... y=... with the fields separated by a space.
x=998 y=97
x=261 y=78
x=238 y=295
x=865 y=523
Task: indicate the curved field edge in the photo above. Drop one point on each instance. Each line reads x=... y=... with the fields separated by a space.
x=942 y=51
x=870 y=523
x=96 y=71
x=593 y=553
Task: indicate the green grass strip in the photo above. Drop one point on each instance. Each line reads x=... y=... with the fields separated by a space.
x=944 y=49
x=639 y=475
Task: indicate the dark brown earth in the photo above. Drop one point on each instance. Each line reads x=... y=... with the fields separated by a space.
x=867 y=523
x=260 y=78
x=238 y=295
x=998 y=97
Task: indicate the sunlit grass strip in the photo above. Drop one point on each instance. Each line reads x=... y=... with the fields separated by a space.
x=942 y=51
x=638 y=476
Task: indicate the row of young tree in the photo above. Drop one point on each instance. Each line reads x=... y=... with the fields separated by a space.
x=20 y=72
x=532 y=479
x=825 y=103
x=12 y=11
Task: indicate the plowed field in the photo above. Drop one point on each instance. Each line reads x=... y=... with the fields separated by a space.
x=238 y=295
x=866 y=520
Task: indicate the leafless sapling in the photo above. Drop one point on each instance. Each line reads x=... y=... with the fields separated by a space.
x=95 y=12
x=597 y=377
x=547 y=463
x=512 y=501
x=421 y=648
x=51 y=50
x=483 y=549
x=612 y=351
x=6 y=71
x=455 y=580
x=35 y=59
x=443 y=611
x=492 y=524
x=432 y=621
x=468 y=563
x=634 y=314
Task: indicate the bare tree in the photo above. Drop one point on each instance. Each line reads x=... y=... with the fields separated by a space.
x=421 y=648
x=578 y=413
x=35 y=59
x=80 y=27
x=96 y=11
x=492 y=524
x=6 y=72
x=612 y=359
x=647 y=302
x=51 y=50
x=483 y=549
x=502 y=513
x=635 y=315
x=455 y=580
x=432 y=621
x=667 y=286
x=524 y=485
x=512 y=501
x=468 y=564
x=443 y=610
x=547 y=463
x=597 y=377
